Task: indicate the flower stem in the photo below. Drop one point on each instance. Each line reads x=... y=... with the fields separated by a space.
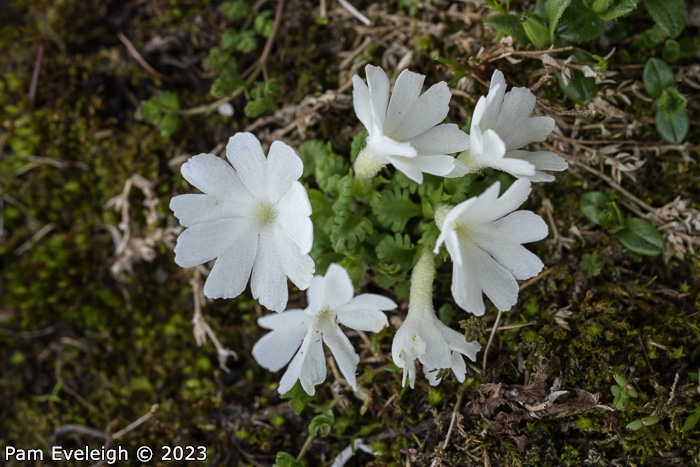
x=422 y=277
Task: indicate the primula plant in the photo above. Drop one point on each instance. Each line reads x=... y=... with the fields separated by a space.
x=255 y=218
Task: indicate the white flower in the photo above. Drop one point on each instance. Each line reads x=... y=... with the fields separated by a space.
x=253 y=216
x=424 y=337
x=501 y=126
x=330 y=302
x=402 y=131
x=484 y=238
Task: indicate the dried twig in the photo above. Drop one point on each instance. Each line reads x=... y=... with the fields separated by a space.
x=137 y=56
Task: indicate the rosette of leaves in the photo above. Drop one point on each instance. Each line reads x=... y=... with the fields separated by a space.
x=636 y=234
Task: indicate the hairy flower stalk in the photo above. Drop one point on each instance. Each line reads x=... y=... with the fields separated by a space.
x=424 y=337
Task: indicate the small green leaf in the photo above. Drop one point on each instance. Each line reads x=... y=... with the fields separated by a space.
x=236 y=9
x=649 y=421
x=536 y=30
x=509 y=25
x=298 y=398
x=284 y=459
x=635 y=425
x=621 y=380
x=553 y=9
x=657 y=76
x=618 y=8
x=396 y=250
x=673 y=127
x=311 y=153
x=394 y=208
x=579 y=23
x=691 y=421
x=641 y=237
x=168 y=125
x=263 y=23
x=672 y=50
x=591 y=264
x=591 y=205
x=615 y=390
x=321 y=424
x=671 y=101
x=580 y=89
x=669 y=15
x=599 y=6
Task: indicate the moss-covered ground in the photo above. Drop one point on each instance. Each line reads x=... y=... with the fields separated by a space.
x=96 y=341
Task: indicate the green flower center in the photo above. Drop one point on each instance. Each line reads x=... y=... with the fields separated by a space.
x=267 y=214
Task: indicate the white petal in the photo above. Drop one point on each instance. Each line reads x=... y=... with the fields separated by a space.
x=407 y=167
x=361 y=102
x=437 y=353
x=496 y=281
x=405 y=94
x=293 y=213
x=275 y=349
x=230 y=274
x=457 y=342
x=337 y=287
x=442 y=139
x=284 y=168
x=414 y=167
x=519 y=227
x=269 y=282
x=212 y=175
x=204 y=242
x=295 y=265
x=246 y=155
x=458 y=367
x=488 y=108
x=378 y=85
x=343 y=352
x=542 y=160
x=308 y=366
x=430 y=109
x=488 y=209
x=380 y=147
x=522 y=263
x=193 y=209
x=374 y=301
x=466 y=290
x=283 y=320
x=363 y=312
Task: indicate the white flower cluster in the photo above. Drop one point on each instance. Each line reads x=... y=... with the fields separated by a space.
x=253 y=217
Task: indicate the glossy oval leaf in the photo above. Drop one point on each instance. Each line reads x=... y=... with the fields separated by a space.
x=510 y=25
x=669 y=15
x=672 y=126
x=657 y=76
x=578 y=23
x=580 y=89
x=641 y=237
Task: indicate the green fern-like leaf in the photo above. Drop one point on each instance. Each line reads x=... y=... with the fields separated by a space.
x=396 y=250
x=329 y=171
x=394 y=209
x=349 y=229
